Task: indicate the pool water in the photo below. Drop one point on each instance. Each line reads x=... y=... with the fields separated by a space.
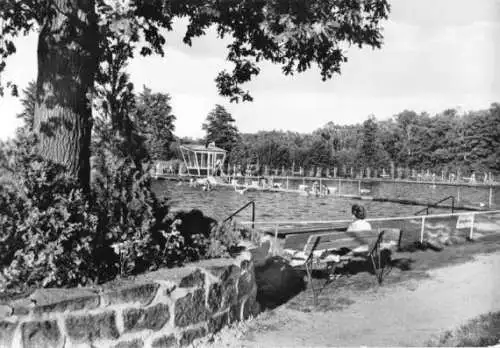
x=273 y=206
x=476 y=195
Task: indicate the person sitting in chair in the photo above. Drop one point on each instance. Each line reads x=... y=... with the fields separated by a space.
x=359 y=223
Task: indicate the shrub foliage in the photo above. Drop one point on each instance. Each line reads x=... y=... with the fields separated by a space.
x=54 y=234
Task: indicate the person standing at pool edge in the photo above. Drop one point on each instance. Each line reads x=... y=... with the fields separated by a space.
x=359 y=223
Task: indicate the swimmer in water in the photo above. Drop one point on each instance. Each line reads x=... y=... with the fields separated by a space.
x=326 y=190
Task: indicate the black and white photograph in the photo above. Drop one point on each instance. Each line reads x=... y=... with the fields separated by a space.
x=249 y=173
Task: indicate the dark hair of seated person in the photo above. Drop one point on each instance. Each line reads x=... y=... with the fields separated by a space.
x=358 y=211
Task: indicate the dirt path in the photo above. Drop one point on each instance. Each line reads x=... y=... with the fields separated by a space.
x=407 y=314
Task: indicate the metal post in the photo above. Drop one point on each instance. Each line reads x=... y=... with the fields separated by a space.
x=339 y=187
x=422 y=230
x=320 y=187
x=287 y=182
x=359 y=187
x=471 y=226
x=253 y=214
x=458 y=193
x=275 y=239
x=490 y=199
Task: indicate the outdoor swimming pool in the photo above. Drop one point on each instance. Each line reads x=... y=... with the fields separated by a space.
x=272 y=206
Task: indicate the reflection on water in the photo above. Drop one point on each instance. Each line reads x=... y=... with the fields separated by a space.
x=272 y=206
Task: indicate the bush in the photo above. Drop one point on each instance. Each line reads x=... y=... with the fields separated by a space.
x=47 y=230
x=131 y=218
x=204 y=237
x=224 y=240
x=55 y=235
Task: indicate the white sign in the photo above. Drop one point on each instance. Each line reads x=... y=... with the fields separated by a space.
x=465 y=221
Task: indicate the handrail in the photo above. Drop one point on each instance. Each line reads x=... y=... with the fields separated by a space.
x=239 y=210
x=412 y=217
x=430 y=205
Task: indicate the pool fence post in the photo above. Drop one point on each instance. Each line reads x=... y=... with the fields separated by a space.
x=458 y=193
x=359 y=187
x=471 y=226
x=275 y=239
x=339 y=187
x=422 y=230
x=490 y=199
x=253 y=214
x=287 y=182
x=320 y=187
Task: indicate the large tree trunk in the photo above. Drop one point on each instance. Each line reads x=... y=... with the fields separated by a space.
x=67 y=63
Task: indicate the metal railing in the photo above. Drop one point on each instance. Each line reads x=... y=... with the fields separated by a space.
x=319 y=222
x=435 y=205
x=467 y=222
x=252 y=203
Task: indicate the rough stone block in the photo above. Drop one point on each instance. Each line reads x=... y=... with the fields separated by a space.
x=190 y=309
x=234 y=313
x=256 y=309
x=7 y=331
x=142 y=293
x=244 y=255
x=230 y=295
x=250 y=307
x=245 y=284
x=137 y=343
x=194 y=279
x=152 y=318
x=164 y=342
x=5 y=311
x=190 y=335
x=245 y=265
x=217 y=322
x=21 y=306
x=245 y=309
x=223 y=273
x=169 y=289
x=87 y=328
x=215 y=297
x=40 y=334
x=74 y=304
x=18 y=310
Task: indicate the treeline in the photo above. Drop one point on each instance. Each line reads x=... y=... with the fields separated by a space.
x=447 y=141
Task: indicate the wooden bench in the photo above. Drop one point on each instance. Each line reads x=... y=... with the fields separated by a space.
x=327 y=250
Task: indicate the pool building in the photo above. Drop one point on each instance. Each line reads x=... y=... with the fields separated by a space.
x=203 y=160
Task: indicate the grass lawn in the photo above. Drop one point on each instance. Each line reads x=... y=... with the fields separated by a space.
x=479 y=332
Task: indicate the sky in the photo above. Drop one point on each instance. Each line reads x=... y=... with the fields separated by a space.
x=437 y=54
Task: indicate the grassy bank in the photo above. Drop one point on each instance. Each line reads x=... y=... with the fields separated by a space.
x=479 y=332
x=336 y=294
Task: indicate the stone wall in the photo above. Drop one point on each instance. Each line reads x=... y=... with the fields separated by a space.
x=160 y=309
